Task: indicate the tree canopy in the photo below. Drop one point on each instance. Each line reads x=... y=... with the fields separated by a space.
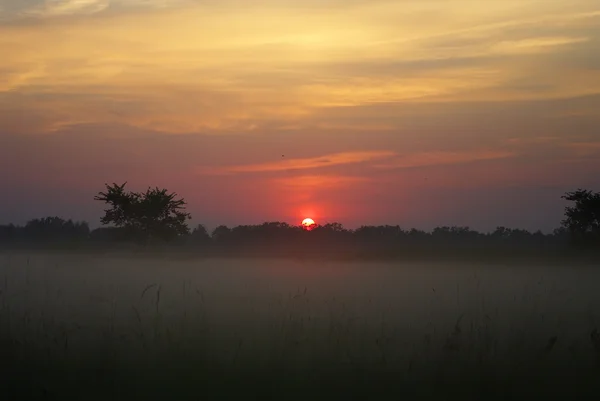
x=583 y=219
x=155 y=213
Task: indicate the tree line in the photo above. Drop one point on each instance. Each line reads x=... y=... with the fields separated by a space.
x=157 y=219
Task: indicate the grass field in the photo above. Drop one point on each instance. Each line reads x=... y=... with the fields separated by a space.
x=83 y=327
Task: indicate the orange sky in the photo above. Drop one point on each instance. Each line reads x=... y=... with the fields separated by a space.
x=410 y=112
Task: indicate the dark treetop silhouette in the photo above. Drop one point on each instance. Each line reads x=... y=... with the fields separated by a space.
x=155 y=214
x=583 y=219
x=158 y=216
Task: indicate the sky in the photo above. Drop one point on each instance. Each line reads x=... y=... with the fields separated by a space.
x=420 y=113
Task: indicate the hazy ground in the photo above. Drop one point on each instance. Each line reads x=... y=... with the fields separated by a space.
x=79 y=326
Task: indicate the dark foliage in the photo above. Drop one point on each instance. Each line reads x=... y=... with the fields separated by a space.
x=47 y=230
x=155 y=214
x=583 y=219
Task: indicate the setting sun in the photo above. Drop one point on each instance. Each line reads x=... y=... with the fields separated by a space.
x=308 y=223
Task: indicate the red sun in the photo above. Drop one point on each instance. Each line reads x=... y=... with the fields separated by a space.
x=308 y=224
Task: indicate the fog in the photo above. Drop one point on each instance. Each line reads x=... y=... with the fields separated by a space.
x=275 y=313
x=89 y=290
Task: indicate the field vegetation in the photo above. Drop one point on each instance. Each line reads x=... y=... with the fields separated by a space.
x=77 y=326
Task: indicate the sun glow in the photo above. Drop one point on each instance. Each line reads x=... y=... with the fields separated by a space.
x=308 y=223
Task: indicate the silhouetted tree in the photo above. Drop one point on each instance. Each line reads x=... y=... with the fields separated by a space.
x=560 y=234
x=55 y=229
x=152 y=214
x=159 y=214
x=221 y=233
x=200 y=236
x=583 y=219
x=501 y=234
x=200 y=232
x=9 y=233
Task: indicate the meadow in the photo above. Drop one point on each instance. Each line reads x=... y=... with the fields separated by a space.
x=99 y=327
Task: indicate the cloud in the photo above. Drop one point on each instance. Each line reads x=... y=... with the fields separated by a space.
x=442 y=158
x=335 y=159
x=55 y=8
x=237 y=67
x=27 y=11
x=584 y=150
x=394 y=161
x=535 y=45
x=536 y=140
x=320 y=182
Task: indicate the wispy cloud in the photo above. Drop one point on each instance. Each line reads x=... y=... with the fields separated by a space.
x=584 y=149
x=335 y=159
x=61 y=8
x=246 y=66
x=535 y=45
x=536 y=140
x=55 y=8
x=441 y=158
x=319 y=181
